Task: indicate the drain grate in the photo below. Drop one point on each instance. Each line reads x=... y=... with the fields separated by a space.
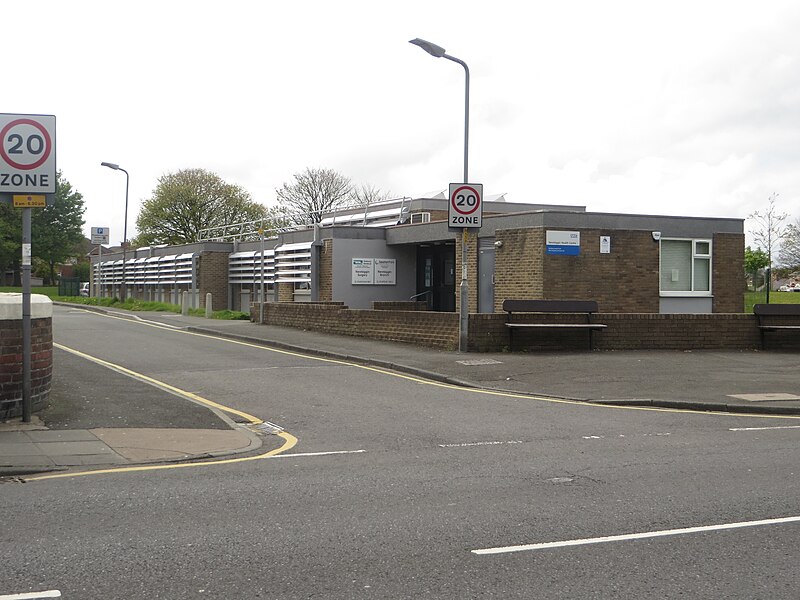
x=11 y=480
x=266 y=428
x=479 y=361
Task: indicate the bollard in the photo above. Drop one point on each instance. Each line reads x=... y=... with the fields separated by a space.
x=184 y=303
x=208 y=306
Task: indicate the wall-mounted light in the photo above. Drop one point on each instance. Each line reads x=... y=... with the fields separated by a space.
x=656 y=235
x=498 y=244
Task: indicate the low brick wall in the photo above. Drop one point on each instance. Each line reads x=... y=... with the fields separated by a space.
x=11 y=353
x=488 y=333
x=400 y=305
x=627 y=331
x=430 y=329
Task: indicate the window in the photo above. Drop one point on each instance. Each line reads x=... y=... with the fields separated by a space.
x=685 y=267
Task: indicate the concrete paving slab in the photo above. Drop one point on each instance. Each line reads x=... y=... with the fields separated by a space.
x=73 y=448
x=20 y=449
x=154 y=444
x=89 y=460
x=74 y=435
x=27 y=460
x=13 y=437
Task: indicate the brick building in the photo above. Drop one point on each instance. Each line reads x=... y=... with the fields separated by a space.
x=403 y=250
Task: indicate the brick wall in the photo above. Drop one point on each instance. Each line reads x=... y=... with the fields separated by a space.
x=519 y=265
x=424 y=328
x=488 y=333
x=399 y=305
x=627 y=331
x=11 y=365
x=212 y=274
x=626 y=280
x=728 y=279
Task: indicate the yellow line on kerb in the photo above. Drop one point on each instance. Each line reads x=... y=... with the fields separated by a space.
x=449 y=386
x=289 y=442
x=160 y=384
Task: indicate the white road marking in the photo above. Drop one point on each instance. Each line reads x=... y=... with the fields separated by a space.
x=32 y=595
x=622 y=435
x=304 y=454
x=468 y=444
x=763 y=428
x=635 y=536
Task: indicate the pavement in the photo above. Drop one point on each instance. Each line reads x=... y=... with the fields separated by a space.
x=79 y=432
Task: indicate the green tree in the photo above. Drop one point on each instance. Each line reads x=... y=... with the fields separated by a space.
x=10 y=239
x=313 y=193
x=56 y=231
x=186 y=202
x=753 y=261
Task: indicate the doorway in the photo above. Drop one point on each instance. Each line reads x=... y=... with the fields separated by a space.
x=436 y=276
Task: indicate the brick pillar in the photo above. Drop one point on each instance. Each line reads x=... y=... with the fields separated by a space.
x=11 y=353
x=213 y=278
x=326 y=272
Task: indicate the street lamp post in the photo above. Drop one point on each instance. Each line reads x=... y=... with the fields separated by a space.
x=122 y=288
x=439 y=52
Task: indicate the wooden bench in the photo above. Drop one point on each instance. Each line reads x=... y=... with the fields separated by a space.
x=584 y=307
x=776 y=317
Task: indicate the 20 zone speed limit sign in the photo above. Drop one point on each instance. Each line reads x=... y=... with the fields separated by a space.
x=27 y=154
x=466 y=205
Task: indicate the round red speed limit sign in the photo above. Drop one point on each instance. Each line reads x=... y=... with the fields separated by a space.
x=466 y=205
x=27 y=154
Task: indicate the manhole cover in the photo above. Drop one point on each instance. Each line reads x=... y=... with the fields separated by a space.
x=479 y=361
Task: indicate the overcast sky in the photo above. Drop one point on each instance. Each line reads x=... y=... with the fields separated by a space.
x=675 y=108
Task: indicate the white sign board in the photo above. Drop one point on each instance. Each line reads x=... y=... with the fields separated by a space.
x=27 y=154
x=374 y=271
x=605 y=244
x=385 y=271
x=465 y=208
x=363 y=271
x=100 y=235
x=566 y=243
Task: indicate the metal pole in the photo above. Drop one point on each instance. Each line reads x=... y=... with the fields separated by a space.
x=26 y=315
x=263 y=297
x=123 y=288
x=463 y=331
x=99 y=288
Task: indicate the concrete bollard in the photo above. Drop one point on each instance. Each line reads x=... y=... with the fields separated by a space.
x=209 y=310
x=184 y=303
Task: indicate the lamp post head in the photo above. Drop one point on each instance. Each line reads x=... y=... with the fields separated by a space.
x=110 y=165
x=429 y=47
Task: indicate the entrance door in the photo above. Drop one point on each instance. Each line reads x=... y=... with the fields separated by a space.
x=486 y=275
x=436 y=267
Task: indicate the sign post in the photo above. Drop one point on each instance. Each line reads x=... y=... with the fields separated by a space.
x=100 y=236
x=465 y=210
x=27 y=172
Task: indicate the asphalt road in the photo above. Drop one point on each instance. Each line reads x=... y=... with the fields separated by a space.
x=424 y=476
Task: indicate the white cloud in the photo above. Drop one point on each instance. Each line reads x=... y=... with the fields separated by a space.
x=674 y=108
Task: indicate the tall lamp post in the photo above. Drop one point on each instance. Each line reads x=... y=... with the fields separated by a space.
x=122 y=288
x=439 y=52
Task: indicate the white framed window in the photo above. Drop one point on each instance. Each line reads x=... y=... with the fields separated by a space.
x=685 y=267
